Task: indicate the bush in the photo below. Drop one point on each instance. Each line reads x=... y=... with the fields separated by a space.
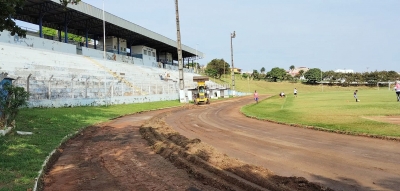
x=11 y=99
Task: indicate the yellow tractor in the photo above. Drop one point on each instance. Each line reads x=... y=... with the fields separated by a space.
x=201 y=94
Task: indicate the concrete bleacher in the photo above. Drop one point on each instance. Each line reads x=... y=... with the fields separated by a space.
x=55 y=75
x=56 y=78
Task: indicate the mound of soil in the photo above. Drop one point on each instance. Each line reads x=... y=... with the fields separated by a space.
x=213 y=168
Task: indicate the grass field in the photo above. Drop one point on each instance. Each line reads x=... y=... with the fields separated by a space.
x=328 y=107
x=333 y=110
x=21 y=157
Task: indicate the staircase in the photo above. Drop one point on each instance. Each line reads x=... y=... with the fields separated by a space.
x=120 y=78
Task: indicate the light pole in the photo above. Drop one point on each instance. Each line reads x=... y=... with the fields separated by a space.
x=196 y=67
x=104 y=35
x=233 y=35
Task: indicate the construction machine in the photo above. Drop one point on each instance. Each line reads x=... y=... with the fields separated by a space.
x=201 y=94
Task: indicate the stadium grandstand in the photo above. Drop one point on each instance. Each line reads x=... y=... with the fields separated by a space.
x=133 y=65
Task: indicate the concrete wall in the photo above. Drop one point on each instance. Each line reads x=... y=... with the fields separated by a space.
x=36 y=42
x=99 y=102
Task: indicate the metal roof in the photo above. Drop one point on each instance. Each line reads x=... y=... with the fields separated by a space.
x=85 y=16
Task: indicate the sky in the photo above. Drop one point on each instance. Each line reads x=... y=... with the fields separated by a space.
x=362 y=35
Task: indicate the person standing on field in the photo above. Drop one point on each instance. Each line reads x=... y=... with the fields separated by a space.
x=355 y=95
x=397 y=89
x=256 y=96
x=295 y=92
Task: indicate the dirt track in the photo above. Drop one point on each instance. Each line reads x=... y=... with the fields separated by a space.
x=342 y=162
x=113 y=156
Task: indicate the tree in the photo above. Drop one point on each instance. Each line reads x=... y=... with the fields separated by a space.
x=211 y=72
x=255 y=75
x=218 y=66
x=292 y=67
x=8 y=10
x=245 y=75
x=313 y=75
x=11 y=99
x=53 y=32
x=66 y=2
x=276 y=73
x=301 y=72
x=262 y=70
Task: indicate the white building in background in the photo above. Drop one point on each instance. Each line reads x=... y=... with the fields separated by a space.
x=344 y=71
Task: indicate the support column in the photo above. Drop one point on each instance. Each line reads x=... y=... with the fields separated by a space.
x=41 y=25
x=59 y=33
x=41 y=22
x=118 y=44
x=95 y=42
x=87 y=38
x=65 y=29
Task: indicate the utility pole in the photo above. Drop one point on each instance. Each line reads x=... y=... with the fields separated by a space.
x=180 y=64
x=233 y=35
x=104 y=35
x=178 y=33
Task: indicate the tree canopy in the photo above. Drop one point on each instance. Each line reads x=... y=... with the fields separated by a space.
x=313 y=75
x=8 y=10
x=276 y=73
x=53 y=32
x=262 y=70
x=216 y=68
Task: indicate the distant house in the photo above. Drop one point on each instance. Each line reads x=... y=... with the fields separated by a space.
x=237 y=70
x=344 y=71
x=297 y=70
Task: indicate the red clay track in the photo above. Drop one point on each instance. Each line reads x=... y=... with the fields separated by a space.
x=342 y=162
x=114 y=156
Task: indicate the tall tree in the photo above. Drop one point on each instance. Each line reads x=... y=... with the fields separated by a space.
x=292 y=67
x=276 y=73
x=217 y=66
x=313 y=75
x=8 y=10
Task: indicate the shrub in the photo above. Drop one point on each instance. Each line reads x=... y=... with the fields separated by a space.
x=11 y=99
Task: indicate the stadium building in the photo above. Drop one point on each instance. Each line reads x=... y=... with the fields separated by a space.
x=134 y=64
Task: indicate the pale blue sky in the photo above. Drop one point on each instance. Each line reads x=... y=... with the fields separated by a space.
x=328 y=34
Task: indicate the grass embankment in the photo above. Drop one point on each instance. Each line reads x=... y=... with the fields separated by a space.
x=21 y=157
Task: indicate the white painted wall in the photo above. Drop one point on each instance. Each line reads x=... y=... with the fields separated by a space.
x=36 y=42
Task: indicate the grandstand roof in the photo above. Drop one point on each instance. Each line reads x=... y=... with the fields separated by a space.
x=84 y=16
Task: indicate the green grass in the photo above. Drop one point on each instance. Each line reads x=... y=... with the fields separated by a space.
x=334 y=110
x=21 y=157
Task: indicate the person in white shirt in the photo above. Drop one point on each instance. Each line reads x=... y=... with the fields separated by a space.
x=397 y=89
x=295 y=92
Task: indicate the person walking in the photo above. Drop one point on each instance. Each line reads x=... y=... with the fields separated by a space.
x=397 y=89
x=295 y=92
x=256 y=96
x=355 y=95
